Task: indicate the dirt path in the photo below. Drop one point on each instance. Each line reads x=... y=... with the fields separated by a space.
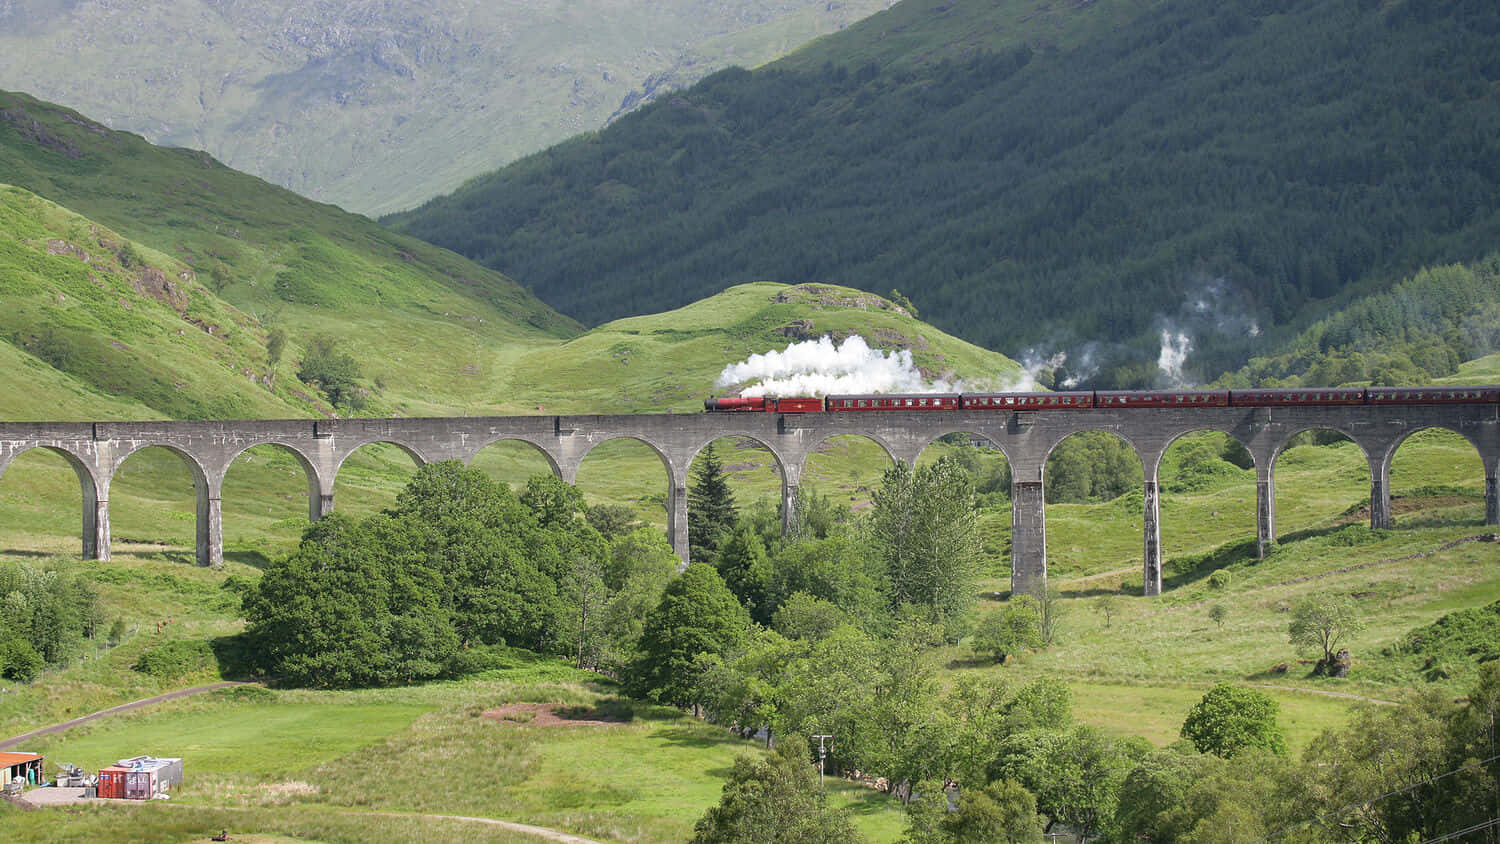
x=538 y=831
x=124 y=707
x=1345 y=695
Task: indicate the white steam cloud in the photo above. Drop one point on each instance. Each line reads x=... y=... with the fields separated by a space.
x=1033 y=363
x=822 y=367
x=1175 y=346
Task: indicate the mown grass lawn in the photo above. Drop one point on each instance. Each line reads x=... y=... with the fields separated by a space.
x=430 y=749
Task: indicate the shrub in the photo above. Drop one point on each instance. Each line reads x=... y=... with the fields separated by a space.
x=1220 y=579
x=171 y=660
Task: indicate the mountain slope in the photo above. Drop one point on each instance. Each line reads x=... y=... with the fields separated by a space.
x=146 y=282
x=240 y=254
x=1207 y=170
x=377 y=105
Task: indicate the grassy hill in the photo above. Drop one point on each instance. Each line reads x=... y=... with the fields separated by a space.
x=377 y=106
x=156 y=276
x=1094 y=175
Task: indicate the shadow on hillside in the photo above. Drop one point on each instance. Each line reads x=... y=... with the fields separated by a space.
x=1292 y=669
x=26 y=552
x=1090 y=592
x=1181 y=571
x=236 y=657
x=1315 y=533
x=253 y=559
x=687 y=737
x=976 y=661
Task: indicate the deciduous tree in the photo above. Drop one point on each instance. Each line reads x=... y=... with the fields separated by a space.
x=697 y=615
x=1013 y=628
x=924 y=526
x=775 y=799
x=1323 y=623
x=1231 y=719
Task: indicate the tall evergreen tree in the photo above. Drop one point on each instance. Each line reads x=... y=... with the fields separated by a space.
x=711 y=511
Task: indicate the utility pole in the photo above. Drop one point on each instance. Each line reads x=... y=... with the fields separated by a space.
x=822 y=754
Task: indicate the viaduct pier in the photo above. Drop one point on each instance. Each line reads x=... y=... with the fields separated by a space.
x=96 y=450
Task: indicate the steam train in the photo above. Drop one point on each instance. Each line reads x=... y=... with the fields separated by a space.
x=1110 y=399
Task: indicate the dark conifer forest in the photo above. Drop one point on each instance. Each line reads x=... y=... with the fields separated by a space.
x=1251 y=159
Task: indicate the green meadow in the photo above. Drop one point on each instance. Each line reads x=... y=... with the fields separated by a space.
x=319 y=765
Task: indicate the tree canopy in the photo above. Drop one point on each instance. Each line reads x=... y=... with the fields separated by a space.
x=1231 y=719
x=711 y=511
x=777 y=800
x=697 y=615
x=406 y=595
x=924 y=527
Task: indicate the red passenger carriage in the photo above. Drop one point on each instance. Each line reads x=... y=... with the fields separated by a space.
x=927 y=401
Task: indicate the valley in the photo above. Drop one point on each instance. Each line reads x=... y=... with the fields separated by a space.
x=1009 y=196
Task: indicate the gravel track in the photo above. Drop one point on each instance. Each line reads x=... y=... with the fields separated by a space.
x=124 y=707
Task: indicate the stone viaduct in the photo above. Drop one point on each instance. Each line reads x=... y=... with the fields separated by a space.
x=96 y=451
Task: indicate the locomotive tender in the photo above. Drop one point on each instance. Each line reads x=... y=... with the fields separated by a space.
x=1111 y=399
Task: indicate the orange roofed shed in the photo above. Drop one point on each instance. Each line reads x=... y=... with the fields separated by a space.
x=27 y=766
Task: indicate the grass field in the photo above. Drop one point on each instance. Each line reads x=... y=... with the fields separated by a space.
x=430 y=750
x=297 y=765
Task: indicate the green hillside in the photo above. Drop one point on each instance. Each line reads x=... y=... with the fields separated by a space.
x=670 y=360
x=156 y=277
x=1099 y=174
x=379 y=105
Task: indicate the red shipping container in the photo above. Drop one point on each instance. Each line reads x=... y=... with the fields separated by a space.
x=112 y=782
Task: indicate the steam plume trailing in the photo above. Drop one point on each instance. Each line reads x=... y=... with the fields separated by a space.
x=822 y=367
x=1175 y=347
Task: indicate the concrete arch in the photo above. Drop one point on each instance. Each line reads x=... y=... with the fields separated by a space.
x=891 y=452
x=782 y=465
x=1232 y=495
x=416 y=456
x=998 y=443
x=1287 y=437
x=94 y=509
x=1380 y=500
x=209 y=529
x=200 y=472
x=547 y=455
x=1484 y=459
x=677 y=521
x=1155 y=468
x=666 y=459
x=1396 y=443
x=1046 y=453
x=82 y=468
x=309 y=471
x=1151 y=509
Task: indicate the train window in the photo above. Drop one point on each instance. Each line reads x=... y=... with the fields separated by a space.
x=861 y=402
x=921 y=402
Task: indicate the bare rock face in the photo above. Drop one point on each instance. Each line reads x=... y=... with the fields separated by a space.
x=1341 y=664
x=1338 y=666
x=799 y=329
x=154 y=283
x=63 y=247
